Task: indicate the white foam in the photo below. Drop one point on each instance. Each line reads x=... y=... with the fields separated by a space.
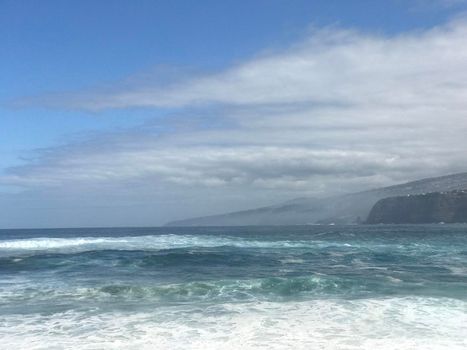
x=386 y=324
x=149 y=242
x=50 y=243
x=458 y=270
x=292 y=261
x=172 y=241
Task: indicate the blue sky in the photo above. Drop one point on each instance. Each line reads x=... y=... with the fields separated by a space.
x=206 y=96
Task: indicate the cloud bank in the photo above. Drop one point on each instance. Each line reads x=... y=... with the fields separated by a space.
x=338 y=112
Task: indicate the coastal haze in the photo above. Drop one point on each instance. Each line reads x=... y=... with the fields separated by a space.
x=347 y=209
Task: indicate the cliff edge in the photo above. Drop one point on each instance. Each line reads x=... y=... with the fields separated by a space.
x=435 y=207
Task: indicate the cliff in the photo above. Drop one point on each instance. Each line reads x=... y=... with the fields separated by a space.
x=448 y=207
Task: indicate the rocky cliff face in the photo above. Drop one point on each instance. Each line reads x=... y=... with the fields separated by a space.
x=448 y=207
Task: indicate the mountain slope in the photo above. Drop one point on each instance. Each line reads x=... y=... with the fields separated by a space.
x=346 y=209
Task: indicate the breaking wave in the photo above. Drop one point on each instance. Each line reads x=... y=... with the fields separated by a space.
x=367 y=324
x=149 y=242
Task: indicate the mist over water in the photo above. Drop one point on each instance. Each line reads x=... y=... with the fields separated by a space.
x=329 y=287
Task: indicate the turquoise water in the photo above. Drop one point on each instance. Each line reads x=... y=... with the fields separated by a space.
x=300 y=287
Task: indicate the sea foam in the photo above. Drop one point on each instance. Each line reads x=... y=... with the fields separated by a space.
x=149 y=242
x=393 y=323
x=173 y=241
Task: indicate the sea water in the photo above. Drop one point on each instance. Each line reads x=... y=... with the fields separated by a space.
x=297 y=287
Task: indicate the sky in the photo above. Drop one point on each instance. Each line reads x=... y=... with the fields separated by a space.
x=136 y=113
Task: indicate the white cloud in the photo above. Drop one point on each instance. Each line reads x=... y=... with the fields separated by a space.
x=339 y=112
x=331 y=68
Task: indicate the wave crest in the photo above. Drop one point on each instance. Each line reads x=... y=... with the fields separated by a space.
x=149 y=242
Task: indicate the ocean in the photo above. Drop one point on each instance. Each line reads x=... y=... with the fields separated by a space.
x=295 y=287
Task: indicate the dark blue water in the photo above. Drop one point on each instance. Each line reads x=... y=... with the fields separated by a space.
x=84 y=279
